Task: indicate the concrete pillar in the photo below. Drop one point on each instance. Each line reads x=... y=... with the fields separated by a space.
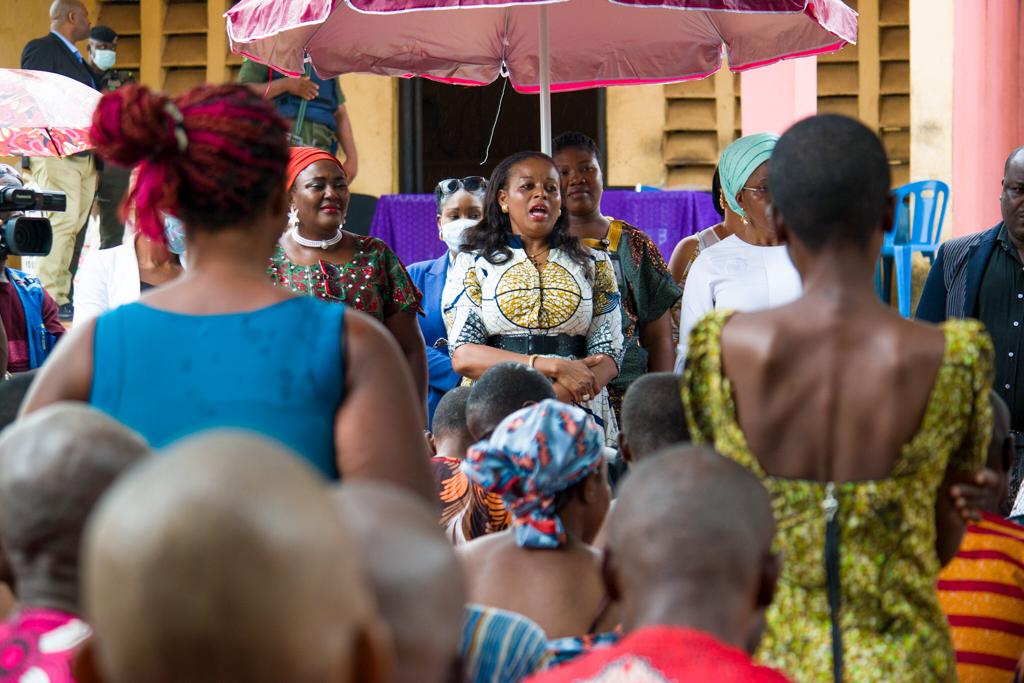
x=987 y=103
x=775 y=97
x=932 y=22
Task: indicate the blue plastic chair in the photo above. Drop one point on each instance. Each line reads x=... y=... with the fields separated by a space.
x=647 y=188
x=920 y=213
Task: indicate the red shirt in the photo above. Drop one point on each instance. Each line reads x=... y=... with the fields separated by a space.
x=660 y=654
x=13 y=315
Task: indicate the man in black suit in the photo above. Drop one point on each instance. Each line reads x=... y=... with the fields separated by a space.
x=74 y=175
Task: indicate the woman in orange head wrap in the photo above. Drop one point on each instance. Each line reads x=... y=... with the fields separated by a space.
x=317 y=257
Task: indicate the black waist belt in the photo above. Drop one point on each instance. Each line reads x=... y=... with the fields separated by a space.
x=541 y=345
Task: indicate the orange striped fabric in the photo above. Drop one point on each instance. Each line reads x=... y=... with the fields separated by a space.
x=982 y=594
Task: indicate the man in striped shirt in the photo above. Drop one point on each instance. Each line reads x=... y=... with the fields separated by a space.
x=982 y=589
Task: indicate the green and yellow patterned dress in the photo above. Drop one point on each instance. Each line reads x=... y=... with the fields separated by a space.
x=893 y=628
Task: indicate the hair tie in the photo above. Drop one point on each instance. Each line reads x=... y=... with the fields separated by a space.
x=179 y=125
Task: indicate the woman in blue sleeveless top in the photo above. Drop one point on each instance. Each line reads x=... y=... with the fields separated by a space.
x=221 y=347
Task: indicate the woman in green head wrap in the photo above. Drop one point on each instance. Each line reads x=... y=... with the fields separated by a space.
x=744 y=271
x=743 y=170
x=740 y=191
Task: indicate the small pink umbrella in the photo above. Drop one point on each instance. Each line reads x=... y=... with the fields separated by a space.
x=44 y=114
x=596 y=42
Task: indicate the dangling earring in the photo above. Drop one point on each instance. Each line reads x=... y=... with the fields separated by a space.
x=293 y=219
x=746 y=221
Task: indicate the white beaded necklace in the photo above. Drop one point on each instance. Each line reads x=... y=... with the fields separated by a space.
x=317 y=244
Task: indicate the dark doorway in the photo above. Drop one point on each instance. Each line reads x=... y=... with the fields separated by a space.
x=445 y=128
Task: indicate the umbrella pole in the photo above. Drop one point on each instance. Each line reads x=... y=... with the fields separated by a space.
x=545 y=82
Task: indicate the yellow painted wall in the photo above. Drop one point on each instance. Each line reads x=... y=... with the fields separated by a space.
x=23 y=20
x=636 y=121
x=372 y=103
x=372 y=100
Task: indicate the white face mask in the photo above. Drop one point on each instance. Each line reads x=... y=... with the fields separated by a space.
x=454 y=233
x=104 y=59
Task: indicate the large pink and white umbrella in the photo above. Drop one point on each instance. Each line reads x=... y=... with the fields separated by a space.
x=44 y=114
x=542 y=46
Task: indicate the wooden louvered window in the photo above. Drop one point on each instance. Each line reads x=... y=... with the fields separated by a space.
x=701 y=119
x=171 y=45
x=871 y=80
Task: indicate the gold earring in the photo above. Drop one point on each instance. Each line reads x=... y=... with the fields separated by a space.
x=504 y=209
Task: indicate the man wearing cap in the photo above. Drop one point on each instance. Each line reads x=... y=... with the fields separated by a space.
x=326 y=124
x=74 y=175
x=101 y=55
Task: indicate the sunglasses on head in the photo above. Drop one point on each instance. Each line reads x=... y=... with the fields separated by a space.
x=471 y=184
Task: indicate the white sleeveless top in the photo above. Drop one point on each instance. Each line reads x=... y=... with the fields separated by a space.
x=737 y=276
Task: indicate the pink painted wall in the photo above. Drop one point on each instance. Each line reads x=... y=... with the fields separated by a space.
x=987 y=106
x=777 y=96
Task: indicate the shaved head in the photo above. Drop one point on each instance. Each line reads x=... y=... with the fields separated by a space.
x=224 y=560
x=691 y=524
x=501 y=391
x=1009 y=160
x=59 y=9
x=415 y=574
x=54 y=466
x=70 y=18
x=652 y=415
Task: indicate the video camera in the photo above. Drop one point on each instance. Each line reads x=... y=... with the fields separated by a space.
x=28 y=235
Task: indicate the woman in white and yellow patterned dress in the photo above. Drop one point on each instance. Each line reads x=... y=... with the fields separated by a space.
x=524 y=290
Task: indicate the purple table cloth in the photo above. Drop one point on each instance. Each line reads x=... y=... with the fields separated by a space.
x=408 y=222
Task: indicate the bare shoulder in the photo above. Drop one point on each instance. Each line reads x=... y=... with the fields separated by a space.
x=754 y=328
x=920 y=342
x=364 y=332
x=684 y=250
x=476 y=552
x=67 y=373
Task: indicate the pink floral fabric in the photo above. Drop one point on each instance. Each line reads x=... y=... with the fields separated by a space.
x=39 y=645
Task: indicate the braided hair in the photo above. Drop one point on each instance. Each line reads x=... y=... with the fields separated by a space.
x=213 y=157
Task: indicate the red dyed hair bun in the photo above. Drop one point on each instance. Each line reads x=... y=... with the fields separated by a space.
x=132 y=123
x=213 y=157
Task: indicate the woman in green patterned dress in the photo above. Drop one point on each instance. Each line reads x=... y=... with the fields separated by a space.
x=858 y=422
x=647 y=289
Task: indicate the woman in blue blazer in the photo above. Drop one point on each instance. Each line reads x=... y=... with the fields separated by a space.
x=459 y=205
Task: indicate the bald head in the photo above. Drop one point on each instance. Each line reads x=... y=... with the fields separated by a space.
x=54 y=466
x=415 y=575
x=224 y=559
x=59 y=9
x=1016 y=155
x=675 y=507
x=70 y=18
